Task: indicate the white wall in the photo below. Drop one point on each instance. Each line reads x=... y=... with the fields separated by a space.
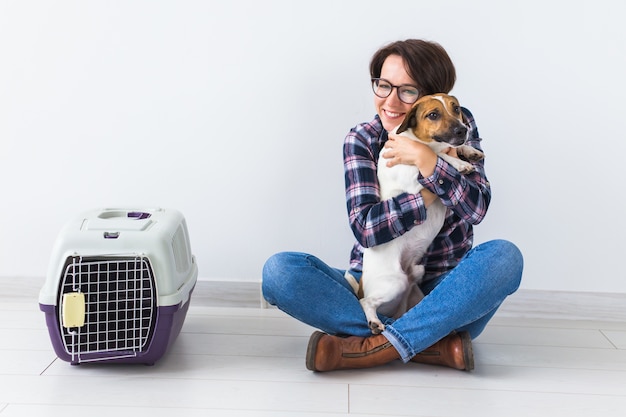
x=234 y=112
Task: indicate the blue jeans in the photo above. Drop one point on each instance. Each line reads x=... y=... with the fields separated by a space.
x=462 y=299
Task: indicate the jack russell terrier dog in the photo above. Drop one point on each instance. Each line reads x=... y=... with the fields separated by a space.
x=391 y=271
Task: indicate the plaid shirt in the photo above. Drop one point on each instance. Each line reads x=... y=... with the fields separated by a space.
x=374 y=222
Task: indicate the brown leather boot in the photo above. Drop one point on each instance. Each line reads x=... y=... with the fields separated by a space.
x=454 y=351
x=328 y=353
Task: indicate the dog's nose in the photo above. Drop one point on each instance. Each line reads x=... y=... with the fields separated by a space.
x=460 y=131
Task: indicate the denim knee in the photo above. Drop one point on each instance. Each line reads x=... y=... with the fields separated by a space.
x=270 y=276
x=508 y=263
x=278 y=271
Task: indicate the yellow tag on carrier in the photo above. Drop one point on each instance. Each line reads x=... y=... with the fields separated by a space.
x=73 y=309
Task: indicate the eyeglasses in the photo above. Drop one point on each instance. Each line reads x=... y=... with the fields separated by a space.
x=406 y=93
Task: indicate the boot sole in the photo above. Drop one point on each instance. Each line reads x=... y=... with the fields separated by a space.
x=312 y=349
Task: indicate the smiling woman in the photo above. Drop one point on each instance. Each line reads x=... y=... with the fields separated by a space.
x=463 y=286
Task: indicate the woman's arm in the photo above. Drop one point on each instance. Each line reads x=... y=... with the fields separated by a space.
x=373 y=221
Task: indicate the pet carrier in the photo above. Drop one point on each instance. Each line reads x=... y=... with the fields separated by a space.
x=119 y=285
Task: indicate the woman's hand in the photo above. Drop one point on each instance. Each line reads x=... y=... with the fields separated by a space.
x=402 y=150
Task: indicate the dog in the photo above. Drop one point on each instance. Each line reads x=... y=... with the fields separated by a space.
x=391 y=271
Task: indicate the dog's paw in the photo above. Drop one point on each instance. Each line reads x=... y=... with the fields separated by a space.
x=470 y=154
x=376 y=326
x=466 y=168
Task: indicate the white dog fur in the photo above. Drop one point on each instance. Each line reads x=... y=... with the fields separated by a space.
x=391 y=271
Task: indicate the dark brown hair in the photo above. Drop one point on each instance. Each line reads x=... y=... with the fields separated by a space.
x=426 y=62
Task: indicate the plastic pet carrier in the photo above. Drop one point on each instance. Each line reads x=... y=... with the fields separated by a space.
x=119 y=285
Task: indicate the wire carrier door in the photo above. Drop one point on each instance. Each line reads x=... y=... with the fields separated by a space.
x=107 y=306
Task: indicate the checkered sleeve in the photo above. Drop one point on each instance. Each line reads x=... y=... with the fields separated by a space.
x=374 y=221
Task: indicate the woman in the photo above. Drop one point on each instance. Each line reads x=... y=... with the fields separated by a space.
x=464 y=286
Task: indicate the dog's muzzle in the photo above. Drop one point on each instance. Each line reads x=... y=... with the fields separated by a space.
x=456 y=136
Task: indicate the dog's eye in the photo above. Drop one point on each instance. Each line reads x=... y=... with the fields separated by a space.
x=433 y=115
x=457 y=109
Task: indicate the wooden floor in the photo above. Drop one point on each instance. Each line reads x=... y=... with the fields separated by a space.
x=234 y=358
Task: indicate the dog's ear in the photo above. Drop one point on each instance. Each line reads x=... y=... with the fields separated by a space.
x=410 y=120
x=463 y=117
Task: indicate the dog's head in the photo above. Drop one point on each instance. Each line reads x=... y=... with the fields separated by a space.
x=436 y=118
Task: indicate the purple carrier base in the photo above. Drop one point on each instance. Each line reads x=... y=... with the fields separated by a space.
x=169 y=321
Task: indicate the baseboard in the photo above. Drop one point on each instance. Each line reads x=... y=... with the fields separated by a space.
x=540 y=304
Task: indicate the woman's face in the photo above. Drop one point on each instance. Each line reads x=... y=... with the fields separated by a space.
x=390 y=109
